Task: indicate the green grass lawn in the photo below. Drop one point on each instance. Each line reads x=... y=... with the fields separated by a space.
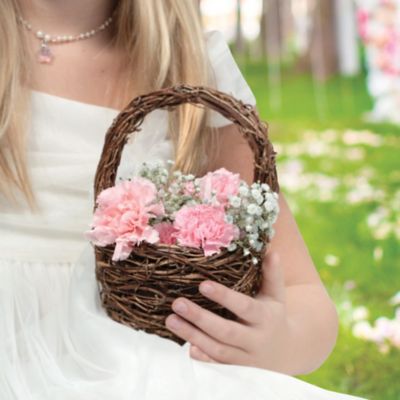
x=337 y=171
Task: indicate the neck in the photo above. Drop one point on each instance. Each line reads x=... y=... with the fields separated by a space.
x=66 y=16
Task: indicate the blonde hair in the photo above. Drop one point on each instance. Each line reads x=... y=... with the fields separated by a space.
x=162 y=40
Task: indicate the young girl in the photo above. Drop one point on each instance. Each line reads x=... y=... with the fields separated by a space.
x=67 y=68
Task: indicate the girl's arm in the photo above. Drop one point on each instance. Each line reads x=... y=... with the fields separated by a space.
x=312 y=314
x=291 y=326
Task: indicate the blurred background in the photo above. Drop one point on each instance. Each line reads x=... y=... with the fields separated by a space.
x=326 y=74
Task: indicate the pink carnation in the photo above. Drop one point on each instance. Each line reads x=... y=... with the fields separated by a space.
x=123 y=214
x=224 y=182
x=166 y=232
x=204 y=225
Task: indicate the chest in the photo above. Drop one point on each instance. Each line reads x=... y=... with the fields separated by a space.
x=94 y=74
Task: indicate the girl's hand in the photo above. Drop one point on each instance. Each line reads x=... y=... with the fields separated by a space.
x=257 y=339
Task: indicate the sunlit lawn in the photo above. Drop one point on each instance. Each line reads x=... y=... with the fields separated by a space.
x=335 y=179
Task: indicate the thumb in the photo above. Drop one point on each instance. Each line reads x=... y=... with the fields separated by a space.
x=273 y=282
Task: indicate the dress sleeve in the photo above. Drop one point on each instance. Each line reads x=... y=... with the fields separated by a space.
x=228 y=77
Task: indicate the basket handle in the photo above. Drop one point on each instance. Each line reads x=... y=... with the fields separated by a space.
x=130 y=119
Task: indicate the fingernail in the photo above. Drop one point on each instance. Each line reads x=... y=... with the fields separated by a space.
x=206 y=288
x=180 y=307
x=195 y=351
x=174 y=322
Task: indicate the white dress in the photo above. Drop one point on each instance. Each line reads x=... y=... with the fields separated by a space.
x=56 y=342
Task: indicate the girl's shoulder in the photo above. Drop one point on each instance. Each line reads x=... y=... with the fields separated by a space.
x=228 y=76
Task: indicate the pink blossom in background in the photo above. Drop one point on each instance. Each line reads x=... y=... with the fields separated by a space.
x=123 y=214
x=204 y=226
x=363 y=18
x=166 y=232
x=224 y=182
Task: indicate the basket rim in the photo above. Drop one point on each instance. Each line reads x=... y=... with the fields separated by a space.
x=167 y=249
x=130 y=119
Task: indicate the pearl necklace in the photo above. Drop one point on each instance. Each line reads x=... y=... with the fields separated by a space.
x=45 y=55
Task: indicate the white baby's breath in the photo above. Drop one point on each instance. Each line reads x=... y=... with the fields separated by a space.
x=252 y=209
x=249 y=219
x=229 y=219
x=269 y=206
x=232 y=247
x=235 y=201
x=265 y=226
x=258 y=246
x=255 y=193
x=243 y=191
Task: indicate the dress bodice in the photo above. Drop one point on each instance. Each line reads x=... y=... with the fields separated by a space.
x=64 y=146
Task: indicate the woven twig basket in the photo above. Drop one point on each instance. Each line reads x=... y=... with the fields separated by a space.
x=139 y=291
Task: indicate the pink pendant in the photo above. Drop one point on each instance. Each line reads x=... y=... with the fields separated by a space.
x=45 y=56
